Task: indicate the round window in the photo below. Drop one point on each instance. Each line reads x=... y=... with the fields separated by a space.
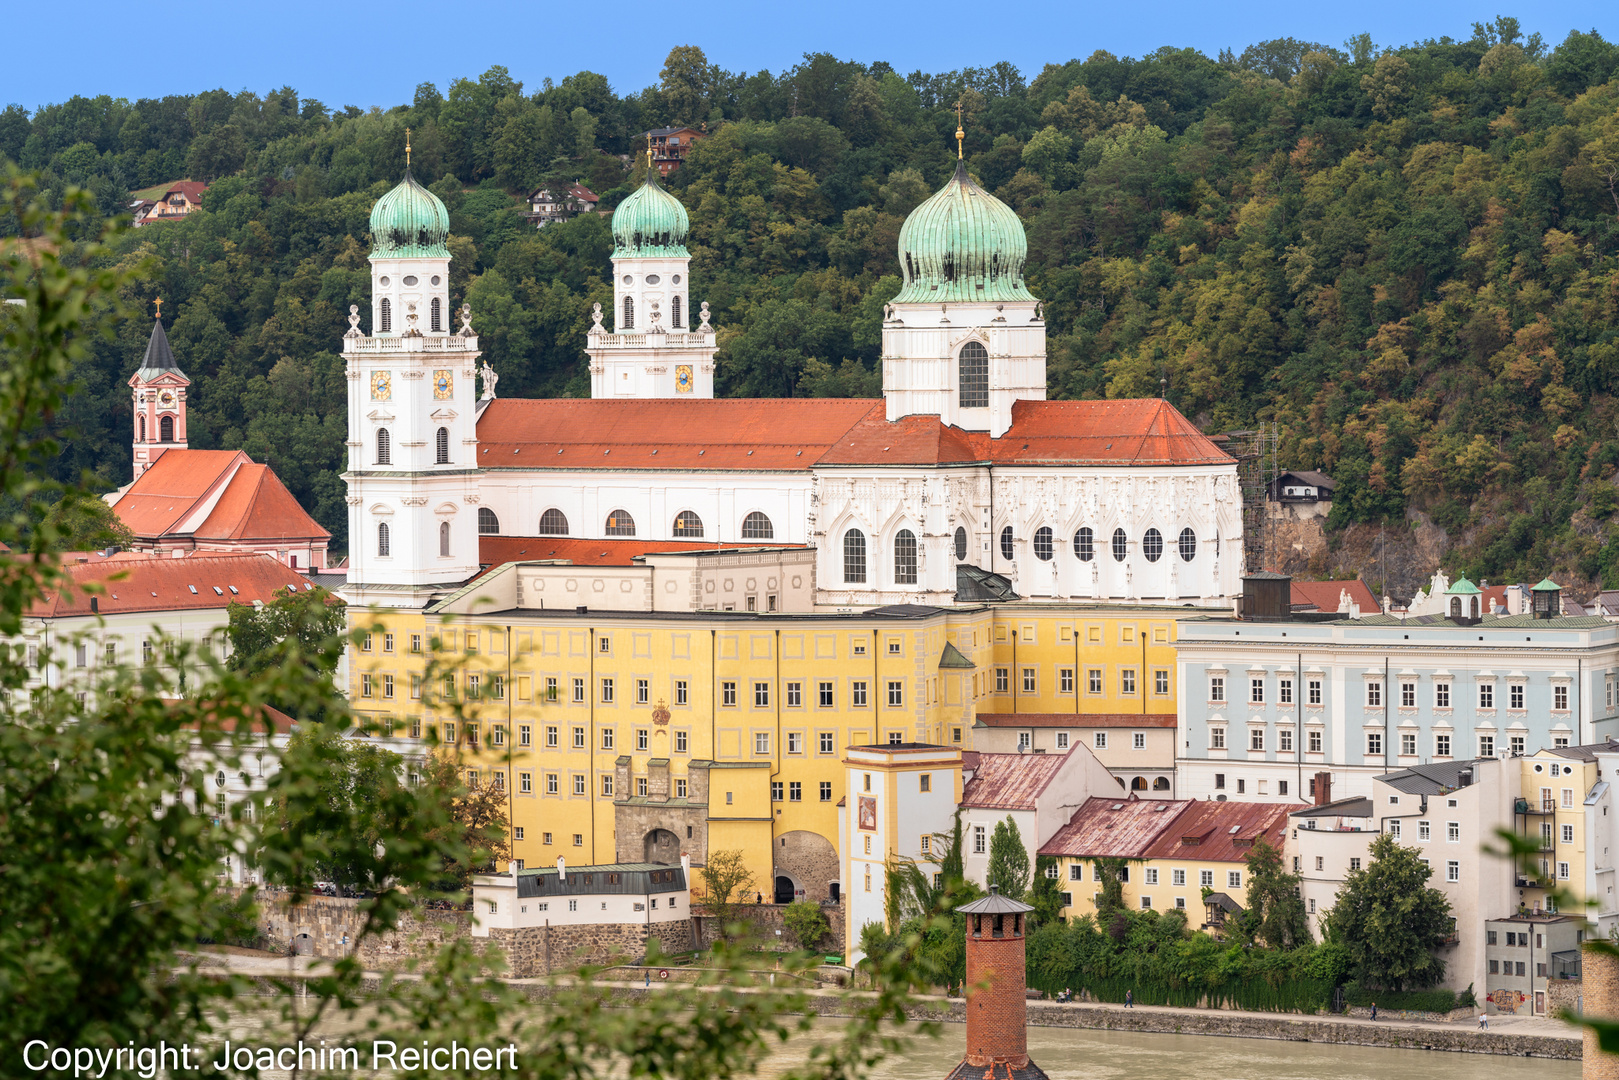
x=410 y=279
x=384 y=281
x=1152 y=545
x=1121 y=545
x=1043 y=549
x=675 y=278
x=628 y=280
x=1006 y=542
x=961 y=543
x=435 y=279
x=653 y=279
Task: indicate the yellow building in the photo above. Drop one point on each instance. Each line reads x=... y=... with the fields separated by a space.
x=1176 y=854
x=623 y=736
x=1553 y=806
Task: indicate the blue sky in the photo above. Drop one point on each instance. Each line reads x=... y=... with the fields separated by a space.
x=370 y=53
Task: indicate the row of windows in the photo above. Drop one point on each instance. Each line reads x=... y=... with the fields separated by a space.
x=1257 y=736
x=1149 y=875
x=1516 y=694
x=1029 y=681
x=675 y=314
x=687 y=524
x=435 y=315
x=385 y=539
x=441 y=444
x=165 y=429
x=1084 y=543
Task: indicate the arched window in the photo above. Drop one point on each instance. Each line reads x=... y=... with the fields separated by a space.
x=1161 y=784
x=443 y=538
x=1455 y=607
x=854 y=557
x=1138 y=784
x=165 y=429
x=688 y=524
x=905 y=558
x=1121 y=545
x=488 y=523
x=973 y=367
x=143 y=429
x=629 y=314
x=385 y=449
x=443 y=446
x=674 y=312
x=1188 y=545
x=619 y=523
x=961 y=543
x=1085 y=545
x=436 y=315
x=1006 y=543
x=385 y=311
x=1152 y=545
x=382 y=539
x=553 y=523
x=1043 y=547
x=757 y=527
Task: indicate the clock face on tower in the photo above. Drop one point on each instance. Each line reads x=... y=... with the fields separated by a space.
x=443 y=385
x=166 y=398
x=381 y=386
x=683 y=378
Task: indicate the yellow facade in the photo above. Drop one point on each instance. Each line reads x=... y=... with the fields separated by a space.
x=1156 y=880
x=1080 y=660
x=734 y=724
x=1551 y=808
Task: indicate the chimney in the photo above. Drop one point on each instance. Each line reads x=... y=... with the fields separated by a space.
x=997 y=989
x=511 y=868
x=562 y=869
x=1323 y=788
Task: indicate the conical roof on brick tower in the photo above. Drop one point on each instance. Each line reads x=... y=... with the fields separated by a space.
x=159 y=358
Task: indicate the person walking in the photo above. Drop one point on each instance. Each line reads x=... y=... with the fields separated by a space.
x=1374 y=1010
x=1129 y=999
x=1483 y=1020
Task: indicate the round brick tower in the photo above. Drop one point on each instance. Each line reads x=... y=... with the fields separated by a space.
x=997 y=1000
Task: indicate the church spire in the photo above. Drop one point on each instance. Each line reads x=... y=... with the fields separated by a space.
x=159 y=357
x=159 y=389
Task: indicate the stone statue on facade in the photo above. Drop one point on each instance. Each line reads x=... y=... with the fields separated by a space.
x=489 y=381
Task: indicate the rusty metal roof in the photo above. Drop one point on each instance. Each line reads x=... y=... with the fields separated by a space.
x=1222 y=831
x=1115 y=828
x=1076 y=720
x=1010 y=781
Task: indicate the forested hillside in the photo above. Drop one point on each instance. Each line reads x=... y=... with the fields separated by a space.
x=1408 y=257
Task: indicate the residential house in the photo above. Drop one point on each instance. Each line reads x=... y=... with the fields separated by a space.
x=638 y=894
x=547 y=207
x=1525 y=954
x=1138 y=748
x=670 y=145
x=1038 y=792
x=179 y=200
x=1300 y=494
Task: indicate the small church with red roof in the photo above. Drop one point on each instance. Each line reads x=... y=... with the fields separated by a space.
x=960 y=484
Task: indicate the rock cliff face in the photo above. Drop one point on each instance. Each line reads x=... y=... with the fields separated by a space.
x=1406 y=560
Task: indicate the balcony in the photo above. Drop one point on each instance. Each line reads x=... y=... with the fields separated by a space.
x=1524 y=806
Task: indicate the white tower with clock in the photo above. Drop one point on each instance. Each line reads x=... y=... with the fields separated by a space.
x=160 y=401
x=412 y=453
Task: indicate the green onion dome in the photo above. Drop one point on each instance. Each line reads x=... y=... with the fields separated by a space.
x=410 y=221
x=963 y=244
x=650 y=222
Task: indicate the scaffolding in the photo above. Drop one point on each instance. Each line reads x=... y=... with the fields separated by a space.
x=1257 y=473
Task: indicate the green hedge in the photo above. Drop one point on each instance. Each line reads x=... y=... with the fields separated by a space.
x=1417 y=1000
x=1301 y=995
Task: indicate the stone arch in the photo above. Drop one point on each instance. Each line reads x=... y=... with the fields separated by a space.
x=808 y=860
x=661 y=847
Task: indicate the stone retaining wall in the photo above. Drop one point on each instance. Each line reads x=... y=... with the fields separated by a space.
x=767 y=919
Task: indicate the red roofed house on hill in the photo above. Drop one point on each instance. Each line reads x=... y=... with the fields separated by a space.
x=184 y=501
x=961 y=484
x=182 y=198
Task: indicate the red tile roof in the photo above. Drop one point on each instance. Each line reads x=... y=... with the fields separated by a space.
x=257 y=506
x=796 y=433
x=1076 y=720
x=1114 y=828
x=494 y=550
x=719 y=433
x=166 y=493
x=160 y=584
x=191 y=189
x=1204 y=831
x=252 y=503
x=1010 y=781
x=1326 y=594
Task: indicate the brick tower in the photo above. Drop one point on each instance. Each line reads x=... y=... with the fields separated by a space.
x=997 y=1000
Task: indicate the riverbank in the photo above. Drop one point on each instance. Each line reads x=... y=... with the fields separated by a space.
x=1508 y=1036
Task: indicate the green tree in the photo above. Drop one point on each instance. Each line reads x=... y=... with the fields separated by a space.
x=1391 y=920
x=1008 y=861
x=1109 y=873
x=727 y=881
x=685 y=83
x=808 y=924
x=1046 y=896
x=83 y=522
x=297 y=629
x=1275 y=908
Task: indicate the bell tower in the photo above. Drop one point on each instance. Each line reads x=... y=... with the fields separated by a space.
x=159 y=389
x=997 y=997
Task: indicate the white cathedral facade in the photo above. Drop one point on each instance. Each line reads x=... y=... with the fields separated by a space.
x=962 y=483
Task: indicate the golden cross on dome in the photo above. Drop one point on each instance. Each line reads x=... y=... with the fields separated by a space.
x=649 y=153
x=159 y=303
x=407 y=148
x=960 y=134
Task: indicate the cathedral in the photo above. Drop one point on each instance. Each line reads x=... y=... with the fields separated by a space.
x=962 y=483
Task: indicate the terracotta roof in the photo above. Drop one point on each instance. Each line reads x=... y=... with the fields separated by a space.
x=719 y=433
x=1076 y=720
x=1204 y=831
x=257 y=506
x=159 y=584
x=252 y=503
x=191 y=189
x=1114 y=828
x=1010 y=781
x=495 y=550
x=1324 y=595
x=1145 y=431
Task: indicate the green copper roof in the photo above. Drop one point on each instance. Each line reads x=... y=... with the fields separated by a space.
x=952 y=658
x=1547 y=585
x=962 y=244
x=650 y=222
x=410 y=221
x=1463 y=587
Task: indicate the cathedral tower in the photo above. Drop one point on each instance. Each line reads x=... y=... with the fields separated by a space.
x=658 y=347
x=412 y=465
x=964 y=338
x=160 y=401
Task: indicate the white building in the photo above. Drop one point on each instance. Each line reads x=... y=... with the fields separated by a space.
x=1039 y=792
x=563 y=895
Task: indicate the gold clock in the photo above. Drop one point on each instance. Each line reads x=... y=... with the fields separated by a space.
x=165 y=398
x=381 y=386
x=683 y=380
x=443 y=385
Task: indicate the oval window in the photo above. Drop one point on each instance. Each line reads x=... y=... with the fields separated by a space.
x=1043 y=549
x=410 y=279
x=435 y=279
x=1085 y=545
x=1152 y=545
x=384 y=281
x=628 y=280
x=1121 y=545
x=675 y=278
x=653 y=279
x=961 y=543
x=1006 y=542
x=1188 y=545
